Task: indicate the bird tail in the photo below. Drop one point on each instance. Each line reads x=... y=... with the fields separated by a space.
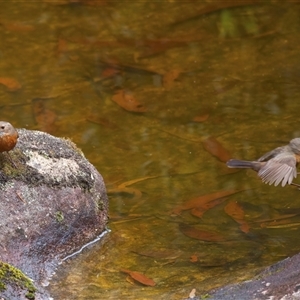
x=236 y=163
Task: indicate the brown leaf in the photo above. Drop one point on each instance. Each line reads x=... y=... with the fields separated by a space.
x=236 y=212
x=61 y=47
x=200 y=210
x=11 y=83
x=200 y=118
x=109 y=72
x=127 y=101
x=170 y=77
x=17 y=26
x=139 y=277
x=245 y=227
x=203 y=235
x=226 y=87
x=215 y=148
x=202 y=200
x=193 y=258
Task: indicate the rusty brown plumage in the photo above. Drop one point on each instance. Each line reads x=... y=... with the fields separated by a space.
x=8 y=138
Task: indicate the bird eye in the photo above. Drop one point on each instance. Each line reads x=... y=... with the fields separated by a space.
x=2 y=127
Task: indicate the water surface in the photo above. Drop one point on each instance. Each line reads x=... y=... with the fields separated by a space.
x=191 y=73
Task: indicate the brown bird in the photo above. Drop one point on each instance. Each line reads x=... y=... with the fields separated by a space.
x=8 y=137
x=278 y=165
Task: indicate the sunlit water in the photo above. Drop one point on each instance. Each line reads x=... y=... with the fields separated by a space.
x=198 y=71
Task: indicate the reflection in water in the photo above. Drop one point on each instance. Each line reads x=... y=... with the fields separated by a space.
x=158 y=95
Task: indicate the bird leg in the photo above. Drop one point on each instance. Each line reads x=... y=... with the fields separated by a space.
x=295 y=184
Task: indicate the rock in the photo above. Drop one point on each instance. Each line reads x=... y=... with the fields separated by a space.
x=53 y=201
x=279 y=281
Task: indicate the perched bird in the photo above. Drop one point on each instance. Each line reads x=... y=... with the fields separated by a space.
x=278 y=165
x=8 y=137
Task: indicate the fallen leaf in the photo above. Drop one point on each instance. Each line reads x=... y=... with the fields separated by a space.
x=226 y=87
x=61 y=47
x=203 y=113
x=110 y=72
x=203 y=235
x=169 y=78
x=127 y=101
x=200 y=118
x=202 y=200
x=11 y=84
x=200 y=210
x=123 y=187
x=215 y=148
x=193 y=258
x=245 y=227
x=17 y=26
x=139 y=277
x=236 y=212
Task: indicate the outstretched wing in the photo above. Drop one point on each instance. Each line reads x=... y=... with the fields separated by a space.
x=273 y=153
x=281 y=168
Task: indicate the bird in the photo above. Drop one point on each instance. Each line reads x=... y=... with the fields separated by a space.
x=276 y=166
x=8 y=138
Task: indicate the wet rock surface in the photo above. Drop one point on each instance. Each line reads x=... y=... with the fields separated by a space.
x=53 y=201
x=279 y=281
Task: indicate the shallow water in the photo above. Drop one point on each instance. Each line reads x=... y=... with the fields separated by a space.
x=191 y=73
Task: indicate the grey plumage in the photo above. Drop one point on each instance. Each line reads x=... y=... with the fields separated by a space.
x=274 y=167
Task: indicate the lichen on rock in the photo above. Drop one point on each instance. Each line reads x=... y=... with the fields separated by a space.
x=53 y=201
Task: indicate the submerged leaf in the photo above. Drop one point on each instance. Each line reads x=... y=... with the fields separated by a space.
x=236 y=212
x=200 y=118
x=127 y=101
x=201 y=201
x=17 y=26
x=170 y=77
x=11 y=83
x=203 y=235
x=193 y=258
x=215 y=148
x=139 y=277
x=200 y=210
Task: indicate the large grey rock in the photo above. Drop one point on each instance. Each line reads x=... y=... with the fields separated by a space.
x=53 y=201
x=280 y=281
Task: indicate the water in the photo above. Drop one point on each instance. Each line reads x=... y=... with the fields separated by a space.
x=198 y=71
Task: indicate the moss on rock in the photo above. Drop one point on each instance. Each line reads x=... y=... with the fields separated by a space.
x=12 y=276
